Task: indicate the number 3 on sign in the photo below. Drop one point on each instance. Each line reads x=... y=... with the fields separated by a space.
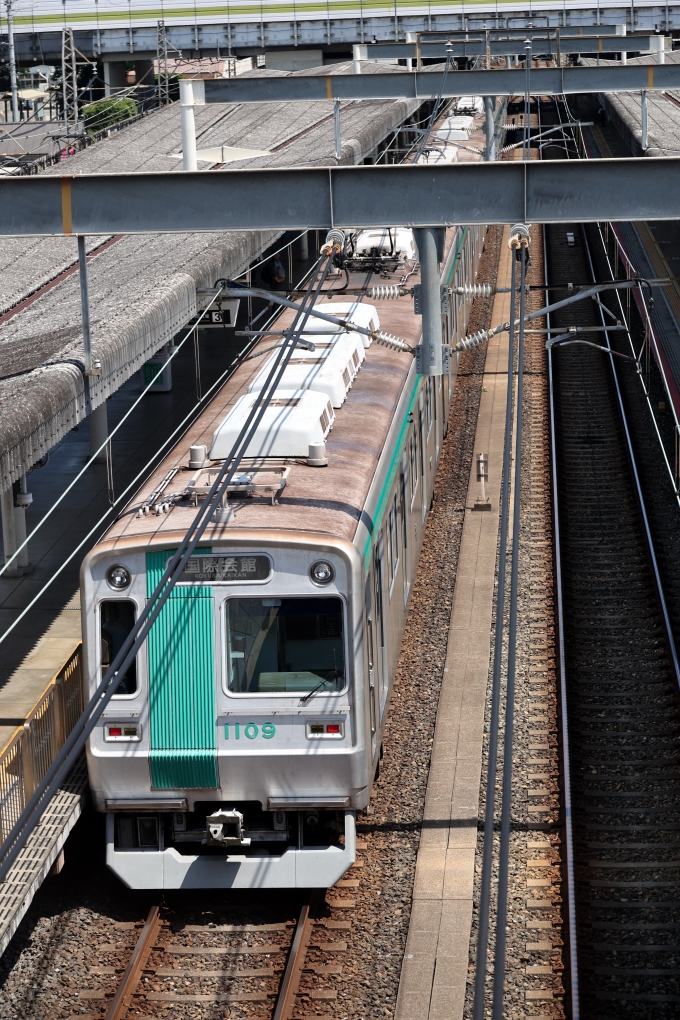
x=251 y=730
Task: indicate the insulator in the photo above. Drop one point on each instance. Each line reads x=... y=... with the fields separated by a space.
x=393 y=342
x=385 y=293
x=471 y=341
x=475 y=290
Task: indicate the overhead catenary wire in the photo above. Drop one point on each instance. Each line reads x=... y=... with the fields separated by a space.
x=93 y=531
x=72 y=747
x=588 y=291
x=490 y=807
x=506 y=799
x=103 y=446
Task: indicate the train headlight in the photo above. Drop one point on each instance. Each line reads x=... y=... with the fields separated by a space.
x=322 y=572
x=118 y=577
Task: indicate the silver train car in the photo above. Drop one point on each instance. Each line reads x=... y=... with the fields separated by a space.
x=248 y=733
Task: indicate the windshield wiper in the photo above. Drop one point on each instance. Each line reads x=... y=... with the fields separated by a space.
x=334 y=675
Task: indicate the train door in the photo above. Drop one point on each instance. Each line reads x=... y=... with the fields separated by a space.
x=182 y=702
x=370 y=649
x=380 y=656
x=403 y=510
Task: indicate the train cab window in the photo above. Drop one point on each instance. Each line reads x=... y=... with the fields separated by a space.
x=285 y=645
x=116 y=620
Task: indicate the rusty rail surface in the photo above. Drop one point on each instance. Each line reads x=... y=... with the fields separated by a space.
x=140 y=954
x=294 y=966
x=128 y=987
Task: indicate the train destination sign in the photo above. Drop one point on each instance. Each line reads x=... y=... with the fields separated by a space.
x=225 y=568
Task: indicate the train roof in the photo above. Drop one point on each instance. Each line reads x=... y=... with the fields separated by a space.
x=326 y=500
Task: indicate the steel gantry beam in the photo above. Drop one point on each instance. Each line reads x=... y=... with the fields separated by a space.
x=363 y=196
x=543 y=81
x=564 y=32
x=457 y=47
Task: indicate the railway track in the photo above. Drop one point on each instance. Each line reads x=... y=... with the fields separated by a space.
x=271 y=970
x=620 y=680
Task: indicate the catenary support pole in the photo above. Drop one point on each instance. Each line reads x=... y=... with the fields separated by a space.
x=427 y=239
x=336 y=125
x=490 y=129
x=12 y=62
x=9 y=536
x=644 y=120
x=85 y=304
x=186 y=101
x=22 y=501
x=99 y=431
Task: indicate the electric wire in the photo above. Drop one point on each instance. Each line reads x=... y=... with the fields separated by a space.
x=103 y=446
x=243 y=356
x=140 y=475
x=506 y=801
x=490 y=808
x=72 y=747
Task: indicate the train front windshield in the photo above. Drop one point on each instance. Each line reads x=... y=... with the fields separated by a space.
x=286 y=645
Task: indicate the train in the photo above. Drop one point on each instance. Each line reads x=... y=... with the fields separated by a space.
x=247 y=735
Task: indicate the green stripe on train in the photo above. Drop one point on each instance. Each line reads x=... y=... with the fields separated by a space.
x=182 y=709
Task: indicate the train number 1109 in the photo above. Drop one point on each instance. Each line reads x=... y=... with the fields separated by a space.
x=251 y=730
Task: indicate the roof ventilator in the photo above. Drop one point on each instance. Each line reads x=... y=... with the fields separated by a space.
x=317 y=455
x=197 y=456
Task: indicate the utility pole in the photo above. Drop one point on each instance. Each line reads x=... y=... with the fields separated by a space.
x=163 y=86
x=69 y=80
x=12 y=62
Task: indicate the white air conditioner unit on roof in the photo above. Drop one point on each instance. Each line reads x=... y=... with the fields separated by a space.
x=360 y=313
x=293 y=420
x=331 y=372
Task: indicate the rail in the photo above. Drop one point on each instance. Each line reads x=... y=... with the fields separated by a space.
x=286 y=1000
x=619 y=263
x=33 y=747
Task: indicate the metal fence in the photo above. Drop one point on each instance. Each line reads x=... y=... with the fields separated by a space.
x=32 y=747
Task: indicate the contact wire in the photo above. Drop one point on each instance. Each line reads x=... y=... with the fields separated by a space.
x=506 y=809
x=490 y=811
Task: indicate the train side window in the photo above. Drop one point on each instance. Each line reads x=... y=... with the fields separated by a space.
x=413 y=463
x=403 y=510
x=116 y=620
x=377 y=576
x=392 y=542
x=371 y=669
